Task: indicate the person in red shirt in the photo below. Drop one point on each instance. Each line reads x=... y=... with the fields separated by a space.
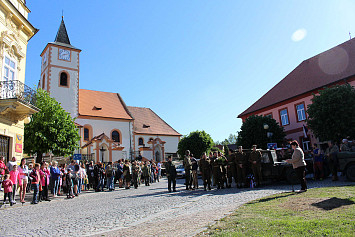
x=7 y=185
x=2 y=169
x=35 y=183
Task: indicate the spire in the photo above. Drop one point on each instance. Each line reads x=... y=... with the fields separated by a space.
x=62 y=35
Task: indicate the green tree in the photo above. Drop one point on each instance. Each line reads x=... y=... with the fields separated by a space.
x=331 y=116
x=50 y=130
x=197 y=142
x=232 y=139
x=253 y=132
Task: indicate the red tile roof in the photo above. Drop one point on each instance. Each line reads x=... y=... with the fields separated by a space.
x=102 y=104
x=148 y=122
x=329 y=67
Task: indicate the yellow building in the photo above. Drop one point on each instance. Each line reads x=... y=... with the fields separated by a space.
x=16 y=99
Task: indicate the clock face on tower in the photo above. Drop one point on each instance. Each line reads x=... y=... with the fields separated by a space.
x=64 y=54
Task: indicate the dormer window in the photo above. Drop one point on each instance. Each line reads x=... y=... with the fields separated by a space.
x=97 y=108
x=145 y=126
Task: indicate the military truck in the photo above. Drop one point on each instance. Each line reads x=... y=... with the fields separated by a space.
x=347 y=164
x=275 y=168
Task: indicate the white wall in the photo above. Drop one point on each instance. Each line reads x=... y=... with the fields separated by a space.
x=106 y=126
x=170 y=146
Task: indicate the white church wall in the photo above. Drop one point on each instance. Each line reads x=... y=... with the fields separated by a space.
x=106 y=126
x=170 y=146
x=74 y=58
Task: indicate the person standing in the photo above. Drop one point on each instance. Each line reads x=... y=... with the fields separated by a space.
x=55 y=177
x=44 y=172
x=23 y=169
x=171 y=173
x=345 y=145
x=299 y=164
x=332 y=154
x=120 y=173
x=231 y=169
x=3 y=168
x=11 y=164
x=145 y=172
x=188 y=169
x=7 y=184
x=35 y=183
x=110 y=175
x=194 y=172
x=206 y=170
x=100 y=177
x=135 y=173
x=317 y=162
x=127 y=174
x=255 y=160
x=241 y=165
x=16 y=180
x=69 y=183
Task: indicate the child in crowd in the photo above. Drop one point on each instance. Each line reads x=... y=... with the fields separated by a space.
x=35 y=183
x=7 y=185
x=16 y=179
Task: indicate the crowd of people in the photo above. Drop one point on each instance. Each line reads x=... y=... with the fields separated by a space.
x=71 y=179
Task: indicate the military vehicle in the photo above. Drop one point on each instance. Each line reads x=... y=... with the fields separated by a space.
x=347 y=164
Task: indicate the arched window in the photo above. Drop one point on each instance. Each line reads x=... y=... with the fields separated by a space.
x=140 y=141
x=63 y=79
x=115 y=136
x=86 y=134
x=43 y=81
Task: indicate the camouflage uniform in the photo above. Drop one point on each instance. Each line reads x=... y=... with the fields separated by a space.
x=332 y=153
x=188 y=172
x=135 y=173
x=256 y=168
x=231 y=170
x=241 y=164
x=219 y=166
x=206 y=169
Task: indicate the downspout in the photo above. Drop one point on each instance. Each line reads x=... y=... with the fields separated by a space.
x=130 y=142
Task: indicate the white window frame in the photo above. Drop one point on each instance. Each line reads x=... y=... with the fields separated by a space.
x=9 y=68
x=306 y=145
x=301 y=112
x=283 y=117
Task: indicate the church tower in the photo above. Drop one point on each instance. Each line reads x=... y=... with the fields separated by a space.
x=60 y=71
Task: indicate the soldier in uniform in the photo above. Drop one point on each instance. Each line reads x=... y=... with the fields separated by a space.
x=345 y=145
x=219 y=168
x=241 y=165
x=212 y=158
x=215 y=168
x=171 y=174
x=332 y=153
x=206 y=169
x=255 y=160
x=135 y=174
x=127 y=174
x=231 y=169
x=188 y=170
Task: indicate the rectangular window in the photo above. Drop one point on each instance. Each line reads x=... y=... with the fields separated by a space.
x=301 y=113
x=284 y=117
x=9 y=69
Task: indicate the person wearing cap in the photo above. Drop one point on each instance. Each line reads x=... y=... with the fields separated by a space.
x=188 y=170
x=231 y=169
x=206 y=170
x=255 y=160
x=298 y=164
x=344 y=146
x=241 y=165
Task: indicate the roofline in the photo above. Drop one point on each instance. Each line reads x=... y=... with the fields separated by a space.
x=346 y=80
x=92 y=116
x=124 y=105
x=155 y=134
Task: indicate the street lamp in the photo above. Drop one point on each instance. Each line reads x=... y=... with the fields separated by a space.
x=102 y=152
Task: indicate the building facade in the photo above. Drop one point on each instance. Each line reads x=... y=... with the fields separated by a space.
x=16 y=99
x=287 y=101
x=109 y=129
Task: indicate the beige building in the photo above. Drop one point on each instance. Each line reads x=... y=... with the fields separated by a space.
x=16 y=99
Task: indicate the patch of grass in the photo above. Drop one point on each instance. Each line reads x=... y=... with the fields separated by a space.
x=318 y=212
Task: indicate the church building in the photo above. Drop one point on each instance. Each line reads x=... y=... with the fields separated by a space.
x=110 y=130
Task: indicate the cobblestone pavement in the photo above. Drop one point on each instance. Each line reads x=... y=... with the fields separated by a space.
x=146 y=211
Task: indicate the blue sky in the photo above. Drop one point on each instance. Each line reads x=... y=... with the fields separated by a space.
x=197 y=64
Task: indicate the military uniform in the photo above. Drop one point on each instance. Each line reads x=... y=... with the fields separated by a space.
x=344 y=147
x=231 y=170
x=135 y=174
x=241 y=165
x=127 y=175
x=171 y=174
x=206 y=169
x=219 y=167
x=332 y=153
x=188 y=172
x=255 y=156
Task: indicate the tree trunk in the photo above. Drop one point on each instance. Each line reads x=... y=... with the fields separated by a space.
x=39 y=157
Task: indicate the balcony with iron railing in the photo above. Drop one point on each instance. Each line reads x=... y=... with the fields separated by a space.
x=17 y=100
